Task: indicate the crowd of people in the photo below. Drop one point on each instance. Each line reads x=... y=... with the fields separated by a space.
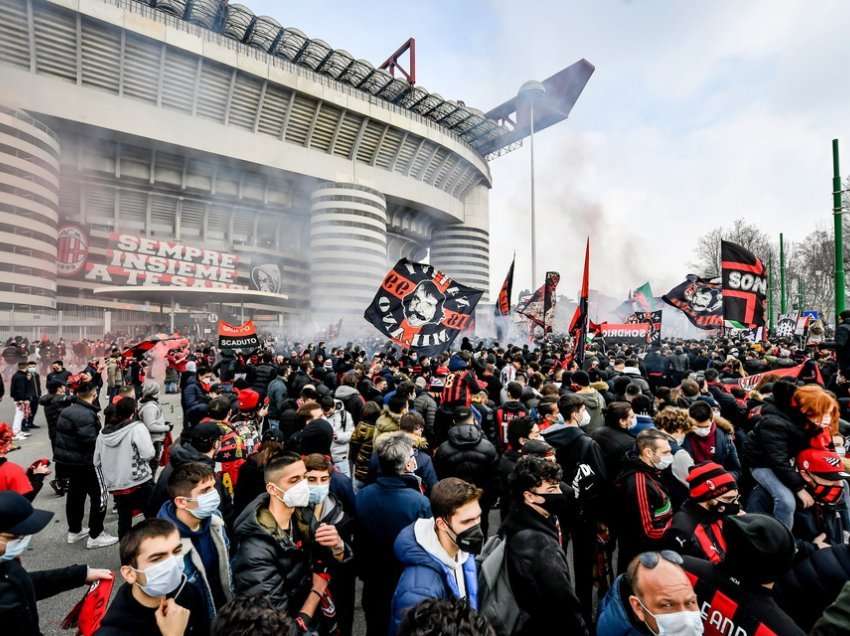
x=688 y=488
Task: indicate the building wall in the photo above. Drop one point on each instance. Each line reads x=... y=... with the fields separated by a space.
x=29 y=201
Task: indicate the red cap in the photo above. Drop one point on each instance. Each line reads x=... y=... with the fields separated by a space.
x=248 y=399
x=823 y=463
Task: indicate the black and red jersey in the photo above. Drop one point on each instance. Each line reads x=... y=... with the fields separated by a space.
x=730 y=607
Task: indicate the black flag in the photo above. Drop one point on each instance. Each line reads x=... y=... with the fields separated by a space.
x=700 y=300
x=420 y=308
x=578 y=324
x=539 y=308
x=744 y=286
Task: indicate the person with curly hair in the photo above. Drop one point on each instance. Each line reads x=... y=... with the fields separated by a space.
x=443 y=617
x=253 y=615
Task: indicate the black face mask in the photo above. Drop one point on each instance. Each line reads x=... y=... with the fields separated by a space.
x=555 y=503
x=727 y=509
x=470 y=540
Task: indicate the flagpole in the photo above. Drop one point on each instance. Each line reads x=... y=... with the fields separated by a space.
x=838 y=232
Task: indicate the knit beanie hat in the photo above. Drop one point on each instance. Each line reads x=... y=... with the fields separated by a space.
x=317 y=437
x=758 y=547
x=709 y=480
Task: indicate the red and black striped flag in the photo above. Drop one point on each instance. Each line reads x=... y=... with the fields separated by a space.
x=503 y=303
x=578 y=325
x=744 y=286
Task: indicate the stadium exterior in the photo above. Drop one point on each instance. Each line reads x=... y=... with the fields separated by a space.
x=194 y=145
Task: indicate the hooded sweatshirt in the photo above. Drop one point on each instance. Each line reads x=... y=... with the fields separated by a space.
x=429 y=571
x=123 y=451
x=150 y=412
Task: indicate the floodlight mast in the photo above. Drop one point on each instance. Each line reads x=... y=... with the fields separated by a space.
x=529 y=93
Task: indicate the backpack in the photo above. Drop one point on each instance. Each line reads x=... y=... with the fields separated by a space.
x=496 y=601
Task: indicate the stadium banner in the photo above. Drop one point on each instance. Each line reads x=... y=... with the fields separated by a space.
x=654 y=318
x=700 y=300
x=135 y=260
x=805 y=371
x=420 y=308
x=744 y=279
x=632 y=334
x=786 y=325
x=242 y=336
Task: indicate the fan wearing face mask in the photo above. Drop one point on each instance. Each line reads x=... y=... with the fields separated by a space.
x=279 y=542
x=438 y=554
x=654 y=597
x=194 y=509
x=156 y=598
x=708 y=442
x=697 y=527
x=644 y=506
x=19 y=589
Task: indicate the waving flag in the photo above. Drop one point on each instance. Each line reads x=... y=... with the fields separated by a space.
x=578 y=325
x=700 y=300
x=744 y=286
x=420 y=308
x=503 y=303
x=643 y=299
x=539 y=308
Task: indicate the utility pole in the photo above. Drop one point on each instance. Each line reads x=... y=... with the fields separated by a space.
x=838 y=238
x=783 y=300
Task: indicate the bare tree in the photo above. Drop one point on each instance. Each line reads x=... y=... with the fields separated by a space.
x=748 y=236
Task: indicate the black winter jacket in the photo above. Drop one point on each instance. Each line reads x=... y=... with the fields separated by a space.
x=774 y=442
x=539 y=575
x=584 y=467
x=20 y=590
x=468 y=455
x=21 y=387
x=614 y=443
x=76 y=433
x=277 y=568
x=813 y=584
x=53 y=406
x=842 y=345
x=260 y=376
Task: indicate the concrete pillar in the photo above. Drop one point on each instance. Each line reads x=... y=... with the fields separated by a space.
x=462 y=251
x=348 y=251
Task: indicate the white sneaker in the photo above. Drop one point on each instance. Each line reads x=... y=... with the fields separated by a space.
x=102 y=540
x=73 y=537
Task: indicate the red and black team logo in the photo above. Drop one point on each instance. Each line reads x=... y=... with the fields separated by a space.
x=72 y=250
x=420 y=308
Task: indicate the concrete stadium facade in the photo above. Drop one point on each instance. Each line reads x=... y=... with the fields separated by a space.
x=126 y=121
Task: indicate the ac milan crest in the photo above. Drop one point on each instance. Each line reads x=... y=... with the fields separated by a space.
x=72 y=250
x=420 y=308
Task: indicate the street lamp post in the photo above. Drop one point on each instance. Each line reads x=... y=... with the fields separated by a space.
x=838 y=230
x=528 y=94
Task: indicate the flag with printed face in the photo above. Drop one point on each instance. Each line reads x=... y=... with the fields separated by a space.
x=744 y=286
x=700 y=300
x=420 y=308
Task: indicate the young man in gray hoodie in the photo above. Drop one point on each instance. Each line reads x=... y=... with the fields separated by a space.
x=123 y=452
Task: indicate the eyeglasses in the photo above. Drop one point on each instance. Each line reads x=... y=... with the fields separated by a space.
x=650 y=560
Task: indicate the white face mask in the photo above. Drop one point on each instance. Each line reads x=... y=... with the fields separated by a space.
x=16 y=547
x=701 y=431
x=665 y=461
x=633 y=423
x=164 y=577
x=207 y=504
x=585 y=418
x=676 y=624
x=296 y=497
x=841 y=450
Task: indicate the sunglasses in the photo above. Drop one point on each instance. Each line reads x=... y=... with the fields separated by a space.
x=650 y=560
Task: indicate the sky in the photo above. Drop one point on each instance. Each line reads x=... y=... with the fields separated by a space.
x=698 y=113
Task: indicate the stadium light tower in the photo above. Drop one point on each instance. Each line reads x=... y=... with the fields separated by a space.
x=528 y=94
